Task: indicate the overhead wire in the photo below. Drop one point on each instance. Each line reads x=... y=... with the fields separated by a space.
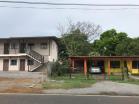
x=68 y=8
x=67 y=4
x=124 y=6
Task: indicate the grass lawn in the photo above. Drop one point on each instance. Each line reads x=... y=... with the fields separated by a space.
x=80 y=81
x=115 y=77
x=119 y=79
x=130 y=81
x=65 y=82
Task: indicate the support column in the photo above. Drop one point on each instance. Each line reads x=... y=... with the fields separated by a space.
x=95 y=63
x=122 y=69
x=122 y=63
x=109 y=68
x=85 y=67
x=73 y=64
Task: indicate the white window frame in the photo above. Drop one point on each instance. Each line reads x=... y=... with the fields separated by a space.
x=12 y=63
x=13 y=46
x=43 y=45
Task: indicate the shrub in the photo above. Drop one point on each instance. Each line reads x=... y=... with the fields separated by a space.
x=59 y=68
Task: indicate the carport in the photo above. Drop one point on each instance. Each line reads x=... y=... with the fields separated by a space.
x=108 y=64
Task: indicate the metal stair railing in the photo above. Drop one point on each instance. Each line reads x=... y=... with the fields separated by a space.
x=35 y=55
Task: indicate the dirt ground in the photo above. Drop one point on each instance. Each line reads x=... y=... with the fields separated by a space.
x=11 y=83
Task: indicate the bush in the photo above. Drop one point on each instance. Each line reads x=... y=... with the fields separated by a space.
x=59 y=68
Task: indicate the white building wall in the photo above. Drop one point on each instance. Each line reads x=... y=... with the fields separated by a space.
x=26 y=65
x=1 y=47
x=16 y=50
x=14 y=67
x=37 y=47
x=53 y=51
x=49 y=54
x=1 y=64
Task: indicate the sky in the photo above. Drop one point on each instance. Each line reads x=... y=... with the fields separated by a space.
x=16 y=22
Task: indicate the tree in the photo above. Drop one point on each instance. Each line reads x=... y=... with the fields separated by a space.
x=62 y=50
x=128 y=47
x=134 y=46
x=76 y=43
x=77 y=37
x=91 y=30
x=122 y=49
x=108 y=42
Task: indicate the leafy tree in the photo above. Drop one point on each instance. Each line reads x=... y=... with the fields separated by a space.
x=77 y=37
x=122 y=49
x=76 y=43
x=134 y=46
x=91 y=30
x=128 y=47
x=62 y=50
x=108 y=42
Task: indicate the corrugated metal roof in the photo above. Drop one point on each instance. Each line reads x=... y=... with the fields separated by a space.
x=32 y=37
x=102 y=57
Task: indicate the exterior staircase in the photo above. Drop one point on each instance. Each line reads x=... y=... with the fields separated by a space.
x=36 y=57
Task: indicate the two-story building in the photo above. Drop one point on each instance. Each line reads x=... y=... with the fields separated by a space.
x=27 y=53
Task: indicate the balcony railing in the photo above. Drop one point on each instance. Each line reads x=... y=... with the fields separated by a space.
x=30 y=52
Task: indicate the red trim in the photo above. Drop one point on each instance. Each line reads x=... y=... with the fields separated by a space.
x=109 y=68
x=104 y=57
x=85 y=67
x=73 y=65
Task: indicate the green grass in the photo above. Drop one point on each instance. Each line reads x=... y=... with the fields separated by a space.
x=65 y=82
x=130 y=81
x=80 y=81
x=115 y=77
x=119 y=80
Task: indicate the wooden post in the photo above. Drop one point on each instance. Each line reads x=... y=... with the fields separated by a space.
x=95 y=63
x=109 y=69
x=73 y=64
x=85 y=67
x=122 y=68
x=70 y=66
x=28 y=63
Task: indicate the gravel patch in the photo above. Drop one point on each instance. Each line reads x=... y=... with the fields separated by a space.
x=12 y=82
x=19 y=74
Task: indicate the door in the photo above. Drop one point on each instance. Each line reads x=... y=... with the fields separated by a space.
x=5 y=64
x=22 y=47
x=6 y=48
x=22 y=64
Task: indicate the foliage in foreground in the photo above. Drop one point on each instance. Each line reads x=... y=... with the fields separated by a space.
x=59 y=68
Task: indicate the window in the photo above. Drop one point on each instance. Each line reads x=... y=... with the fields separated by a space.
x=14 y=62
x=13 y=45
x=115 y=64
x=30 y=62
x=43 y=45
x=135 y=64
x=30 y=45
